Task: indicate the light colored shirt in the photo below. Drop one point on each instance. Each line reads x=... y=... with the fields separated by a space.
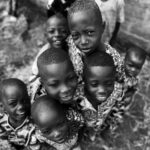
x=112 y=12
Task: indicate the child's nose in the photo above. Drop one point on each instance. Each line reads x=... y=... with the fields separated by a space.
x=133 y=69
x=83 y=40
x=20 y=107
x=101 y=89
x=57 y=33
x=64 y=89
x=57 y=133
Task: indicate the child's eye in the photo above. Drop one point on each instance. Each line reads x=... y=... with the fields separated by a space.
x=75 y=36
x=72 y=77
x=13 y=104
x=53 y=84
x=51 y=31
x=63 y=31
x=46 y=132
x=94 y=84
x=109 y=83
x=90 y=32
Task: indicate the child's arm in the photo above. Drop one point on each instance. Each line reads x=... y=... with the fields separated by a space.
x=114 y=34
x=119 y=21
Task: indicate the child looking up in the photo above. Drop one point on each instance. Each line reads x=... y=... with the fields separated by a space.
x=59 y=80
x=15 y=119
x=134 y=60
x=99 y=76
x=54 y=125
x=56 y=32
x=86 y=27
x=57 y=75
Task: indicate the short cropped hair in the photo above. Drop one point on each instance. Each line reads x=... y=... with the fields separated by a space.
x=52 y=56
x=80 y=5
x=44 y=103
x=138 y=52
x=99 y=59
x=20 y=85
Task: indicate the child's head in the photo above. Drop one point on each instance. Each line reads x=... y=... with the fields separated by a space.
x=57 y=27
x=134 y=60
x=99 y=75
x=49 y=116
x=86 y=25
x=15 y=100
x=57 y=75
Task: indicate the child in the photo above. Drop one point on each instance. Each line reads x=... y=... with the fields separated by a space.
x=56 y=34
x=86 y=27
x=15 y=119
x=99 y=75
x=113 y=14
x=59 y=80
x=134 y=60
x=57 y=75
x=54 y=126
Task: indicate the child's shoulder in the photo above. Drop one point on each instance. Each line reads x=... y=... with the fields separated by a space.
x=44 y=48
x=118 y=61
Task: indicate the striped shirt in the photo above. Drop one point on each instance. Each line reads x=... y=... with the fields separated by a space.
x=20 y=135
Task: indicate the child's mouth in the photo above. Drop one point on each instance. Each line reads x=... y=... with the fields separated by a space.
x=66 y=98
x=86 y=50
x=101 y=98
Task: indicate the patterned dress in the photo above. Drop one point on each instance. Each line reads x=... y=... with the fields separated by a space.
x=104 y=109
x=76 y=57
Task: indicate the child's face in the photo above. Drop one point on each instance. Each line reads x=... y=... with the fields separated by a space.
x=57 y=31
x=86 y=30
x=54 y=127
x=60 y=81
x=15 y=104
x=99 y=82
x=133 y=65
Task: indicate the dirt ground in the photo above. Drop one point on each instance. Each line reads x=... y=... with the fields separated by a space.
x=16 y=56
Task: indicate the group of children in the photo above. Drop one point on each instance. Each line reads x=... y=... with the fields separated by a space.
x=79 y=85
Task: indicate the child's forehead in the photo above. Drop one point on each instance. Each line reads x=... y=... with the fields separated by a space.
x=135 y=57
x=11 y=90
x=102 y=71
x=85 y=16
x=57 y=69
x=56 y=19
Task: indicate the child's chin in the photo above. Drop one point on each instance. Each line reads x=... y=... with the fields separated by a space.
x=66 y=101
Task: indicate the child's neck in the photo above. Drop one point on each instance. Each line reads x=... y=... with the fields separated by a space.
x=100 y=48
x=92 y=101
x=14 y=123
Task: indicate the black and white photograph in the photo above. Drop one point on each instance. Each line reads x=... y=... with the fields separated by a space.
x=74 y=74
